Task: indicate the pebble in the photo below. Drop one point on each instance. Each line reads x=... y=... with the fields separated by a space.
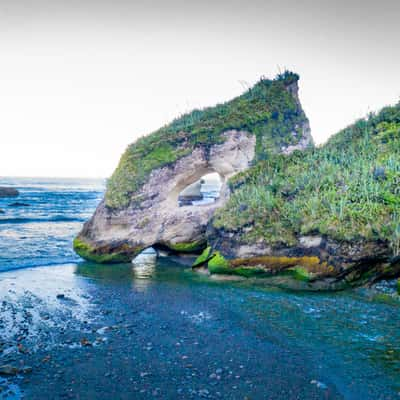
x=85 y=342
x=9 y=370
x=320 y=385
x=203 y=393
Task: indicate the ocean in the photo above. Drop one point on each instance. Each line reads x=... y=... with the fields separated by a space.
x=41 y=231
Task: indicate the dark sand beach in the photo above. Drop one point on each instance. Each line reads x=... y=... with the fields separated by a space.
x=155 y=329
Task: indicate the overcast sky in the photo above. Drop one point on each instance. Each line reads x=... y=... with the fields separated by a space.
x=81 y=79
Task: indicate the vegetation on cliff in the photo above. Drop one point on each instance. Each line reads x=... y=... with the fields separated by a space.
x=349 y=189
x=268 y=110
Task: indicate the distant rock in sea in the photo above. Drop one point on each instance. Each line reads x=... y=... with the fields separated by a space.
x=8 y=192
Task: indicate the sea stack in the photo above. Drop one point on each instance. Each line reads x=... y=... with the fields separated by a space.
x=309 y=218
x=141 y=205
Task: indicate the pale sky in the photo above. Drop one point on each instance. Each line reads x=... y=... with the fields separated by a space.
x=81 y=79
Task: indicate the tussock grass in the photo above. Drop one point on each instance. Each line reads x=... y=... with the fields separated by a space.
x=348 y=189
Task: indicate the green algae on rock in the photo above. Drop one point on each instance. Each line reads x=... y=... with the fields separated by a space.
x=108 y=254
x=203 y=258
x=301 y=268
x=187 y=247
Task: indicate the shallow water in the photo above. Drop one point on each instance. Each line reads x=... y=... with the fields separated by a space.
x=160 y=329
x=352 y=341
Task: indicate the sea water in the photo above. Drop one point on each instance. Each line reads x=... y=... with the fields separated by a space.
x=39 y=231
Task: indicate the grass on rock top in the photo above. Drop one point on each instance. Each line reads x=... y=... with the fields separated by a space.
x=348 y=189
x=268 y=110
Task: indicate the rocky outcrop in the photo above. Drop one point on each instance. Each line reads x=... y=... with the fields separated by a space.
x=141 y=206
x=154 y=218
x=322 y=219
x=301 y=134
x=313 y=263
x=326 y=219
x=8 y=192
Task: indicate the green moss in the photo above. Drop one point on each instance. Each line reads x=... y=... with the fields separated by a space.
x=299 y=268
x=300 y=274
x=188 y=247
x=348 y=189
x=87 y=252
x=219 y=265
x=202 y=258
x=398 y=286
x=268 y=110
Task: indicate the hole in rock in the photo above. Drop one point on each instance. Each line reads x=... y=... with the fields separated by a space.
x=206 y=190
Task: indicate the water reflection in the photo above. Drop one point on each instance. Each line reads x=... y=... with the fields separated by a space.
x=140 y=273
x=144 y=268
x=112 y=273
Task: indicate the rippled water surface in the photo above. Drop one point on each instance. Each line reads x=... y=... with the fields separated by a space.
x=41 y=231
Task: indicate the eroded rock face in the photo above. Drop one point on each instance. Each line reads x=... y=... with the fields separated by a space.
x=301 y=136
x=314 y=263
x=154 y=217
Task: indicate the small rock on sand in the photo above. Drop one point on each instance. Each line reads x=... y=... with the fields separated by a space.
x=8 y=370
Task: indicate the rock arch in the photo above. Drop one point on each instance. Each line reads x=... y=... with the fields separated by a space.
x=154 y=218
x=140 y=208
